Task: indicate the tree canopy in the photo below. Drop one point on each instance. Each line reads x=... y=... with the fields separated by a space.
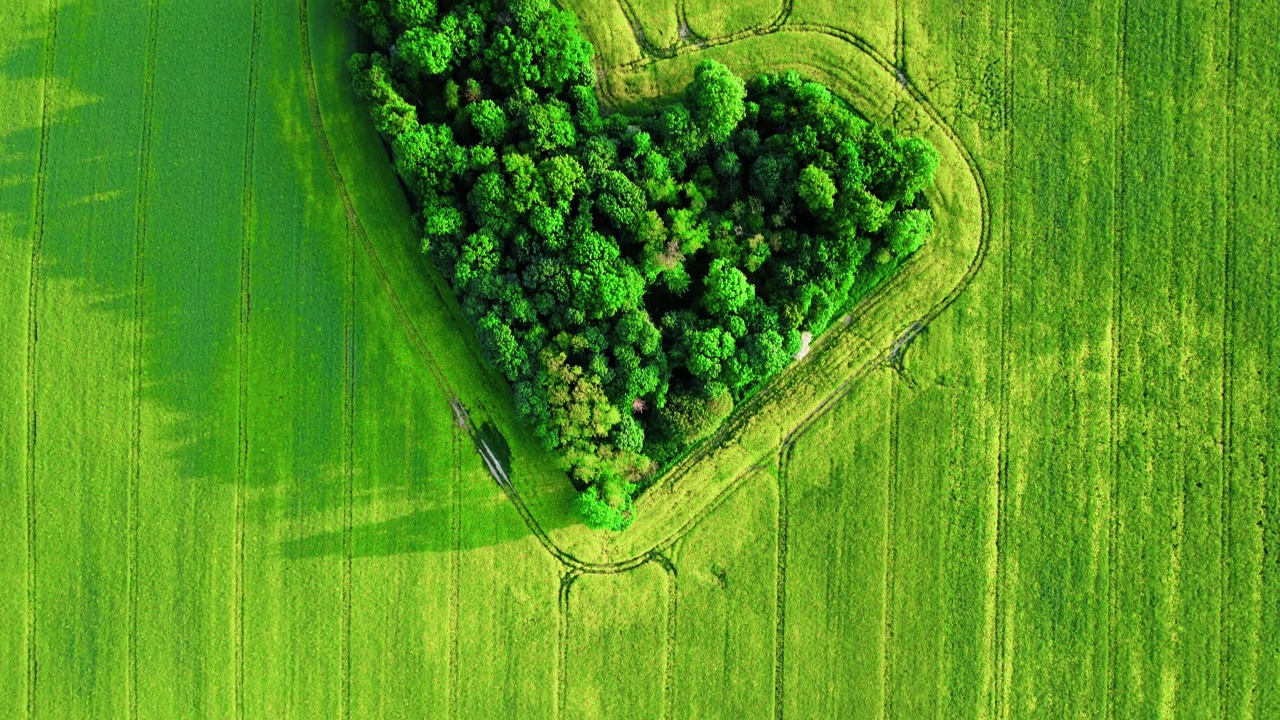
x=633 y=276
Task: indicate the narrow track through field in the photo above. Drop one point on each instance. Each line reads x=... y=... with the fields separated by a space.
x=883 y=294
x=33 y=337
x=139 y=255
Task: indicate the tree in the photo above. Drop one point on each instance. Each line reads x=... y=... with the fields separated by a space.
x=716 y=100
x=599 y=514
x=489 y=121
x=413 y=13
x=728 y=290
x=907 y=230
x=817 y=190
x=550 y=127
x=427 y=51
x=632 y=276
x=562 y=175
x=919 y=163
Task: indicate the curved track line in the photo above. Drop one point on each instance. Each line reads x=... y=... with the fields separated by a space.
x=139 y=256
x=331 y=162
x=883 y=294
x=33 y=337
x=879 y=296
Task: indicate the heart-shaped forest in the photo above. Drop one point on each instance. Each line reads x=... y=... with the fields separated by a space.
x=632 y=276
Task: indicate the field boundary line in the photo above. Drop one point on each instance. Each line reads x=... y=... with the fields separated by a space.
x=455 y=568
x=562 y=672
x=33 y=337
x=669 y=654
x=242 y=341
x=1119 y=137
x=780 y=583
x=348 y=462
x=891 y=491
x=1002 y=677
x=139 y=277
x=900 y=36
x=1227 y=420
x=869 y=303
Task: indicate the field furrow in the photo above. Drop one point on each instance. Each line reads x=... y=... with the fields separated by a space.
x=139 y=276
x=186 y=524
x=1004 y=634
x=242 y=354
x=1116 y=328
x=838 y=559
x=26 y=87
x=1054 y=592
x=83 y=300
x=1168 y=486
x=1250 y=653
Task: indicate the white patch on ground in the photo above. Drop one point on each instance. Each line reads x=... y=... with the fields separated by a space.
x=805 y=338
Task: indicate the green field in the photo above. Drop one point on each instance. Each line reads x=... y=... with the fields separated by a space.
x=235 y=485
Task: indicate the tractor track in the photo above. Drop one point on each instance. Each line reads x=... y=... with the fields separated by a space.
x=242 y=342
x=348 y=463
x=999 y=704
x=780 y=584
x=139 y=277
x=1117 y=319
x=1228 y=315
x=575 y=564
x=669 y=652
x=33 y=337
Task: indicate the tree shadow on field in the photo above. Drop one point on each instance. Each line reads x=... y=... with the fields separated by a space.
x=469 y=510
x=319 y=455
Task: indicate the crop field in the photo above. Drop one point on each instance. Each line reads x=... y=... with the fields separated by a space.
x=1034 y=475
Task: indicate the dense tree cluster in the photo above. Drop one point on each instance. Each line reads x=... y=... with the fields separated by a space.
x=632 y=276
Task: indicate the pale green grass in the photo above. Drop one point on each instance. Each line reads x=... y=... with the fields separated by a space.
x=725 y=621
x=1063 y=505
x=871 y=20
x=21 y=89
x=657 y=21
x=84 y=365
x=617 y=644
x=711 y=19
x=185 y=510
x=839 y=505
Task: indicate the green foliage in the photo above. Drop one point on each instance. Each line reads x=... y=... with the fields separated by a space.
x=906 y=231
x=817 y=190
x=429 y=52
x=599 y=513
x=716 y=100
x=631 y=276
x=727 y=289
x=490 y=121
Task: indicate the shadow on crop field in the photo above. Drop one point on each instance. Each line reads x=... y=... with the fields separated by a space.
x=242 y=350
